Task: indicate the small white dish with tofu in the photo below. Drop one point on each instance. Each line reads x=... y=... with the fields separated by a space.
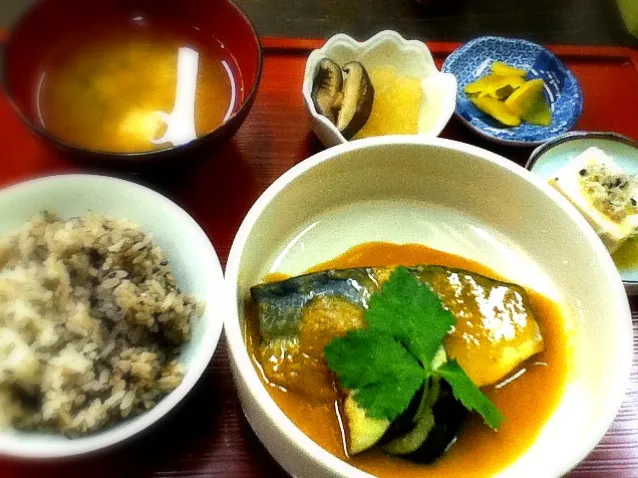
x=603 y=192
x=597 y=172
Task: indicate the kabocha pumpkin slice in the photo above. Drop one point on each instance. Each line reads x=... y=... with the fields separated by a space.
x=524 y=99
x=503 y=69
x=497 y=110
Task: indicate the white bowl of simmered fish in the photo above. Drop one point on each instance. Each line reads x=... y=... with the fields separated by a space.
x=111 y=299
x=383 y=287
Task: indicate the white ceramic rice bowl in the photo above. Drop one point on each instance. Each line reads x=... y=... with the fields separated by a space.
x=194 y=263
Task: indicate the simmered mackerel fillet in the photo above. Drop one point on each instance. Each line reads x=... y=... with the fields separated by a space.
x=494 y=333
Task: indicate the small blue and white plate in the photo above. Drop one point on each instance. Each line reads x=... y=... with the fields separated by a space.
x=562 y=90
x=548 y=158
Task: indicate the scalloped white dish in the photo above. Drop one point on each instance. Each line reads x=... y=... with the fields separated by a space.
x=410 y=58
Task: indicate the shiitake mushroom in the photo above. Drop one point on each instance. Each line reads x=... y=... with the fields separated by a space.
x=358 y=96
x=326 y=88
x=347 y=104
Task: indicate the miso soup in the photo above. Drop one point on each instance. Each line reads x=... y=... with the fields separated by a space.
x=137 y=86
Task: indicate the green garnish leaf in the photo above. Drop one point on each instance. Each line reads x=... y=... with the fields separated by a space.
x=387 y=363
x=410 y=312
x=469 y=395
x=384 y=374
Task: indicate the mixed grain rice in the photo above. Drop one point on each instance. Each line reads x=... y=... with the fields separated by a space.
x=91 y=324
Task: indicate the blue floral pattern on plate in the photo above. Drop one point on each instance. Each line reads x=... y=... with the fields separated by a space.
x=562 y=89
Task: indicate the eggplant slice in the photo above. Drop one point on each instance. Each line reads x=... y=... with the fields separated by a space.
x=449 y=415
x=363 y=432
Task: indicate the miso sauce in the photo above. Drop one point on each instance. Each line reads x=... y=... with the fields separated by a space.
x=116 y=87
x=527 y=397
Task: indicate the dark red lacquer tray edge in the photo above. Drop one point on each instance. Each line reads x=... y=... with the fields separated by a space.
x=603 y=54
x=437 y=47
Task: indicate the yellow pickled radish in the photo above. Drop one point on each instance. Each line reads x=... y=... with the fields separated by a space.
x=540 y=114
x=523 y=100
x=497 y=110
x=495 y=86
x=503 y=69
x=509 y=98
x=479 y=85
x=502 y=86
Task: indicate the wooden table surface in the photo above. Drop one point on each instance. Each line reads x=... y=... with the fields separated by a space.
x=207 y=435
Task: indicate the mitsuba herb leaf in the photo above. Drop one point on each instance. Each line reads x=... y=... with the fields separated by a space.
x=469 y=395
x=384 y=374
x=387 y=363
x=410 y=312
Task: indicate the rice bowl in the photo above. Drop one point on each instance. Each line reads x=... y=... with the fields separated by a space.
x=91 y=324
x=169 y=351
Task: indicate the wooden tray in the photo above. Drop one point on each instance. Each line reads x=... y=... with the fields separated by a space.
x=208 y=435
